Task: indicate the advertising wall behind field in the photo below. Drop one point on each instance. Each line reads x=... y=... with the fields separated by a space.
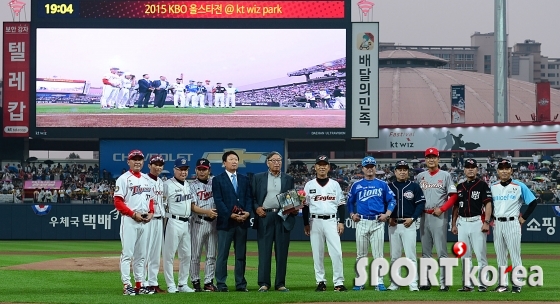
x=252 y=153
x=467 y=138
x=102 y=222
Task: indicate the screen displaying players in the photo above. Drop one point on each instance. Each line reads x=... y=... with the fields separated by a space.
x=191 y=78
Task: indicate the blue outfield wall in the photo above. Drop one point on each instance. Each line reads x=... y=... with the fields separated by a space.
x=102 y=222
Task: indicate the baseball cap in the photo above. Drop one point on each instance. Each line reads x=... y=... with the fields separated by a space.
x=156 y=159
x=504 y=163
x=230 y=83
x=191 y=80
x=181 y=162
x=368 y=160
x=322 y=158
x=114 y=69
x=471 y=162
x=401 y=163
x=203 y=163
x=207 y=80
x=432 y=151
x=135 y=153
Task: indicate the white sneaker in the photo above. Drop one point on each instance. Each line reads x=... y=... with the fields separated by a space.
x=172 y=289
x=393 y=287
x=185 y=288
x=413 y=288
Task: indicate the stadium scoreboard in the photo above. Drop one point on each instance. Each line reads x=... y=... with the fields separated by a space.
x=125 y=9
x=244 y=54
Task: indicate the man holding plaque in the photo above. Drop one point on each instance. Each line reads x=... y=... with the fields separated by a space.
x=232 y=196
x=273 y=226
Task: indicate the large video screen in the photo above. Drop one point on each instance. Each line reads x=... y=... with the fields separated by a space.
x=108 y=77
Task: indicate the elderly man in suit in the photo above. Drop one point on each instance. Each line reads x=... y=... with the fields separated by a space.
x=161 y=88
x=232 y=196
x=271 y=227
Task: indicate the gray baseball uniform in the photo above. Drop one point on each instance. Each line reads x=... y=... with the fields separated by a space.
x=203 y=232
x=433 y=229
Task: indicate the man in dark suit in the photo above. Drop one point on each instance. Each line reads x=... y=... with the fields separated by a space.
x=145 y=90
x=271 y=227
x=232 y=196
x=161 y=88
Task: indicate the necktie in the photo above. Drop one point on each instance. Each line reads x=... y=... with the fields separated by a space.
x=234 y=181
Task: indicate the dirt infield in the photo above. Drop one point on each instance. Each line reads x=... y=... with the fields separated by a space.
x=87 y=264
x=110 y=262
x=310 y=118
x=295 y=254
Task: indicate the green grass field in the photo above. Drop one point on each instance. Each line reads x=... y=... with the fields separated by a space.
x=95 y=108
x=104 y=287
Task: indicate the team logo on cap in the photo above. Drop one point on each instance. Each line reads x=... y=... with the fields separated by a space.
x=322 y=158
x=183 y=161
x=201 y=162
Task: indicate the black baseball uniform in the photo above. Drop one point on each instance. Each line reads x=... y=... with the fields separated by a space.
x=472 y=199
x=410 y=204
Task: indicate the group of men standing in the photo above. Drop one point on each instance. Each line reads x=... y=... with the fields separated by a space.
x=475 y=205
x=119 y=90
x=214 y=212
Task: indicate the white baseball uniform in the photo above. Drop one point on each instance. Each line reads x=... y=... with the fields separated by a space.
x=203 y=232
x=325 y=97
x=136 y=192
x=124 y=93
x=154 y=230
x=178 y=198
x=433 y=229
x=179 y=89
x=110 y=91
x=323 y=202
x=230 y=96
x=507 y=229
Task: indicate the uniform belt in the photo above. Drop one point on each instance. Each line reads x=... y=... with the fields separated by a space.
x=369 y=217
x=156 y=218
x=505 y=219
x=181 y=218
x=470 y=219
x=204 y=218
x=323 y=217
x=271 y=210
x=401 y=221
x=429 y=211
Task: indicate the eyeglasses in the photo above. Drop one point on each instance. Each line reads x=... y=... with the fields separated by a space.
x=275 y=160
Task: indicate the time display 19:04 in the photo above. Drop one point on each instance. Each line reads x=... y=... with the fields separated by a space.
x=52 y=9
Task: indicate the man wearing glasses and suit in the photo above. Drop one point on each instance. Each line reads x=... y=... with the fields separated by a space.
x=271 y=227
x=232 y=196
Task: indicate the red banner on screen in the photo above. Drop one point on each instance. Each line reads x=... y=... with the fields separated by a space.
x=16 y=79
x=543 y=101
x=211 y=9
